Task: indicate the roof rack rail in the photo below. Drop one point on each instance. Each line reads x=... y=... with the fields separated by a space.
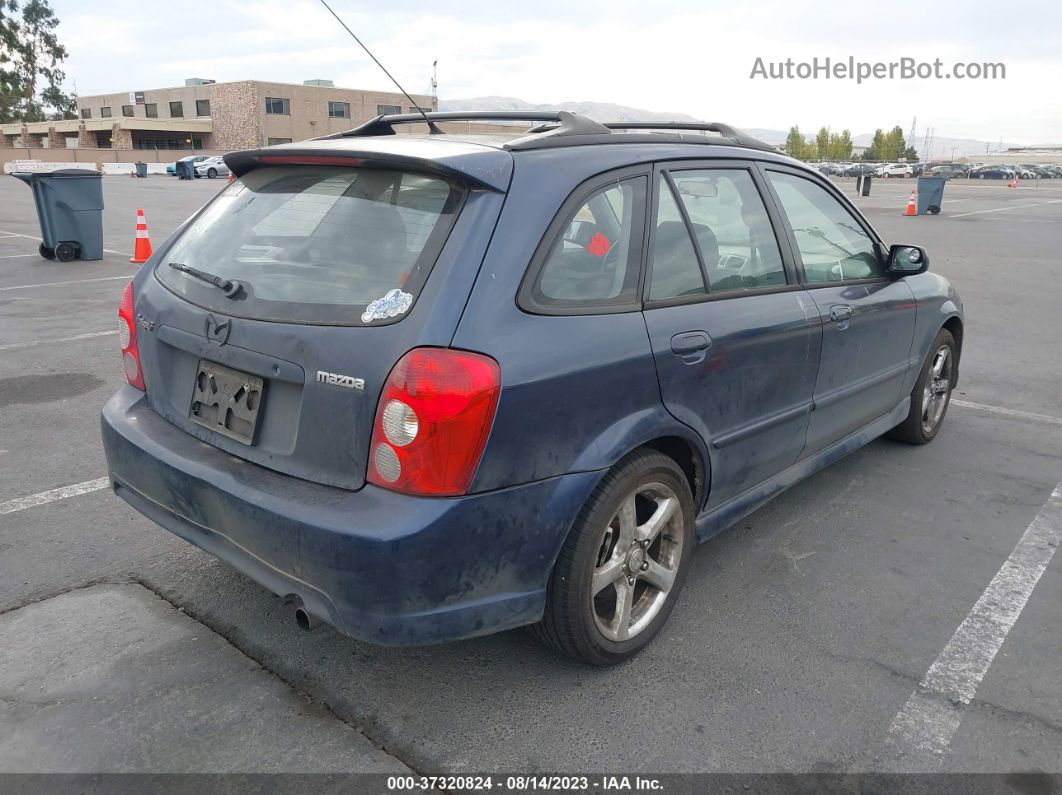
x=725 y=130
x=565 y=123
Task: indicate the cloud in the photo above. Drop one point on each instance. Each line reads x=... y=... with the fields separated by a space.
x=681 y=57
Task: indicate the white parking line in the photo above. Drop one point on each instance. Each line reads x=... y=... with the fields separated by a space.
x=15 y=346
x=59 y=284
x=1024 y=415
x=16 y=256
x=6 y=233
x=1004 y=209
x=922 y=731
x=33 y=500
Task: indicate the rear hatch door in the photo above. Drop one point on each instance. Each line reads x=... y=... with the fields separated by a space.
x=269 y=325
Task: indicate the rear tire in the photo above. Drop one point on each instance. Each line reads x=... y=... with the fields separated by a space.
x=931 y=394
x=622 y=567
x=44 y=251
x=212 y=172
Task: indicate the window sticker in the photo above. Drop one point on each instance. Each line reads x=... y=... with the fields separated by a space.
x=394 y=303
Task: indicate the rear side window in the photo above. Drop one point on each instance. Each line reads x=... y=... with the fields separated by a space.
x=317 y=244
x=594 y=262
x=733 y=230
x=676 y=273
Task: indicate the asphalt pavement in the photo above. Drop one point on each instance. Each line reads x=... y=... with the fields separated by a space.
x=801 y=635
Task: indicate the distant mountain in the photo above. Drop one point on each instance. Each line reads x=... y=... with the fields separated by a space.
x=598 y=111
x=607 y=111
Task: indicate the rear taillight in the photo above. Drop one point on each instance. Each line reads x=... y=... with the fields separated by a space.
x=127 y=339
x=432 y=422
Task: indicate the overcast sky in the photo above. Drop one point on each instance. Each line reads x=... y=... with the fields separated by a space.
x=661 y=55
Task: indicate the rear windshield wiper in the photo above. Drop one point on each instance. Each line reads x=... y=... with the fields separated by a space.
x=230 y=287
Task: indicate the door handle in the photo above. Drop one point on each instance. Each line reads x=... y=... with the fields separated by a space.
x=841 y=314
x=691 y=345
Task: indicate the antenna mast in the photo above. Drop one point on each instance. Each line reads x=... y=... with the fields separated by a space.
x=431 y=125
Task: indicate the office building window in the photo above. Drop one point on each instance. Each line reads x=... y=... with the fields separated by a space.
x=105 y=112
x=86 y=113
x=275 y=141
x=202 y=107
x=415 y=109
x=385 y=110
x=339 y=110
x=127 y=110
x=176 y=110
x=278 y=106
x=151 y=110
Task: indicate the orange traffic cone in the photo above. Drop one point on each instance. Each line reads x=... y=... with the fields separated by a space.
x=1013 y=183
x=231 y=177
x=142 y=245
x=912 y=206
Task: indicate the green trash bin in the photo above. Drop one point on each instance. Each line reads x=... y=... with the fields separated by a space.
x=70 y=211
x=930 y=195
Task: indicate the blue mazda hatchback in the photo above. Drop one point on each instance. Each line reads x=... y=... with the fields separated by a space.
x=426 y=386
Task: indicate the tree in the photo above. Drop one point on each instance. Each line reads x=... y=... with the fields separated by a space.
x=822 y=144
x=876 y=150
x=840 y=146
x=30 y=54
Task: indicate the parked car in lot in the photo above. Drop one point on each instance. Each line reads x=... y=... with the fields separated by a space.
x=211 y=167
x=171 y=168
x=946 y=171
x=426 y=387
x=860 y=169
x=992 y=172
x=894 y=170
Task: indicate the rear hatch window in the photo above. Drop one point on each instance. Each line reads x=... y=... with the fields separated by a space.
x=315 y=244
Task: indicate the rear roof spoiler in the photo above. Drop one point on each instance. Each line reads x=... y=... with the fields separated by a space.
x=454 y=168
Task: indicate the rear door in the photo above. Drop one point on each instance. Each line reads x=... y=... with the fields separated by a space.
x=867 y=318
x=326 y=276
x=736 y=342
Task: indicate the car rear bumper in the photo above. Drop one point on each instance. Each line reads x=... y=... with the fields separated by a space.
x=379 y=566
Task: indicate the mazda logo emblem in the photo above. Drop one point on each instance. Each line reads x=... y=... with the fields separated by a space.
x=218 y=330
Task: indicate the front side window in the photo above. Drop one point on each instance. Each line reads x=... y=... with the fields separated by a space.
x=832 y=245
x=339 y=110
x=176 y=110
x=315 y=244
x=278 y=106
x=676 y=273
x=733 y=231
x=594 y=262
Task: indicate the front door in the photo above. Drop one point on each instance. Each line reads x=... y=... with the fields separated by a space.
x=868 y=319
x=735 y=340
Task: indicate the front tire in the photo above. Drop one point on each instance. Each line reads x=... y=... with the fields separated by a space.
x=622 y=567
x=931 y=394
x=212 y=172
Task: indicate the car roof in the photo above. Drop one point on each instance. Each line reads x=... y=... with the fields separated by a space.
x=486 y=158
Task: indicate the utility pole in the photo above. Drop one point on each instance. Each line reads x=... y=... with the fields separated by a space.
x=435 y=83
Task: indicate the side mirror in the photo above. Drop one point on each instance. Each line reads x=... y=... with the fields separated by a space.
x=907 y=260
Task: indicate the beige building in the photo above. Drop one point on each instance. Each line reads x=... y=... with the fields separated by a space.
x=203 y=114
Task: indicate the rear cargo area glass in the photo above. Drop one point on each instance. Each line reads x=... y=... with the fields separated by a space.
x=314 y=244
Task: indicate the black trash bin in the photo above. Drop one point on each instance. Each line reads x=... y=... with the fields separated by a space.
x=141 y=170
x=70 y=211
x=863 y=184
x=185 y=169
x=930 y=195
